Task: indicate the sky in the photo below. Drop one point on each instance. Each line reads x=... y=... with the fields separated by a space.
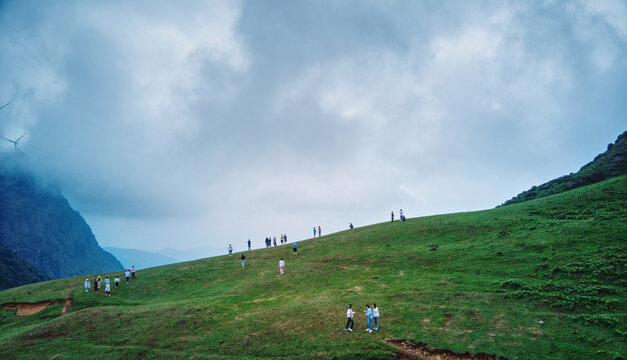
x=194 y=125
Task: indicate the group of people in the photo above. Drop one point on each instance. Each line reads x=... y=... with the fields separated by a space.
x=270 y=241
x=372 y=315
x=107 y=283
x=319 y=231
x=402 y=217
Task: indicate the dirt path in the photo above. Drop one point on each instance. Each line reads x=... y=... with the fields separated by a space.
x=410 y=350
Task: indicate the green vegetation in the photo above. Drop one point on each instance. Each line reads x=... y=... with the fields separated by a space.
x=611 y=163
x=543 y=279
x=16 y=271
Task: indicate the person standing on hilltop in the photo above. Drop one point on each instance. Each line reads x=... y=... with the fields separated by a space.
x=294 y=249
x=127 y=274
x=351 y=226
x=117 y=281
x=107 y=289
x=349 y=315
x=392 y=216
x=107 y=281
x=319 y=231
x=274 y=241
x=248 y=244
x=285 y=238
x=314 y=231
x=96 y=284
x=375 y=316
x=281 y=266
x=133 y=271
x=243 y=260
x=87 y=285
x=368 y=318
x=230 y=250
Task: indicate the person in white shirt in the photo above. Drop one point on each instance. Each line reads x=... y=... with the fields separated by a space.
x=349 y=315
x=281 y=266
x=107 y=281
x=127 y=273
x=87 y=285
x=230 y=250
x=117 y=281
x=107 y=289
x=375 y=315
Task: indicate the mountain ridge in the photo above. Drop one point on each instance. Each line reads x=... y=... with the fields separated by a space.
x=609 y=164
x=38 y=224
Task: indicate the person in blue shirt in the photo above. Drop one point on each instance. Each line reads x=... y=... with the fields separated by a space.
x=314 y=231
x=369 y=318
x=294 y=250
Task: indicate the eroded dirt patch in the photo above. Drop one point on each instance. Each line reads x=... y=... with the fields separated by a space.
x=412 y=350
x=66 y=304
x=24 y=309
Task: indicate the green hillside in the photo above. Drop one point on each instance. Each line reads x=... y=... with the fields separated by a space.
x=543 y=279
x=611 y=163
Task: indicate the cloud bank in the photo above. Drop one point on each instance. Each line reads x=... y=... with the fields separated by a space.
x=201 y=124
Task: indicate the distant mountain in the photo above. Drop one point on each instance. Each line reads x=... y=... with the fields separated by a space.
x=15 y=271
x=139 y=258
x=38 y=224
x=611 y=163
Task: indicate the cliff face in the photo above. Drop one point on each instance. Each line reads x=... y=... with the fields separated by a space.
x=611 y=163
x=38 y=224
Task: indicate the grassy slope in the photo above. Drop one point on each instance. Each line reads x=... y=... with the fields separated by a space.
x=493 y=276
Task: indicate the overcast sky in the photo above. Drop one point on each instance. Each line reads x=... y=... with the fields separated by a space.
x=192 y=125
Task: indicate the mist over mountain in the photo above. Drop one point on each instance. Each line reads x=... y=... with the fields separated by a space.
x=611 y=163
x=139 y=258
x=38 y=224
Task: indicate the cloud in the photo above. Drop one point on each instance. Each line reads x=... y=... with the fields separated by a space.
x=208 y=123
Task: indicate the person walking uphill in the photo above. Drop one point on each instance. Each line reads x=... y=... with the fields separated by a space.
x=375 y=316
x=117 y=281
x=127 y=274
x=294 y=249
x=281 y=266
x=368 y=318
x=243 y=260
x=349 y=315
x=87 y=285
x=133 y=271
x=96 y=284
x=107 y=289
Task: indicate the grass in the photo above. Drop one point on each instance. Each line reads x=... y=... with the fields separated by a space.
x=544 y=279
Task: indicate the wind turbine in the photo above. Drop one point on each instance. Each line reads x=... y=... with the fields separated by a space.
x=14 y=141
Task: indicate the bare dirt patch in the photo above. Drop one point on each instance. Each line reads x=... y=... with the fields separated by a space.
x=66 y=304
x=260 y=300
x=24 y=309
x=411 y=350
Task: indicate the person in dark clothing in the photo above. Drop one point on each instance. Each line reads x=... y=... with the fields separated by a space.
x=248 y=244
x=392 y=216
x=351 y=226
x=96 y=283
x=243 y=260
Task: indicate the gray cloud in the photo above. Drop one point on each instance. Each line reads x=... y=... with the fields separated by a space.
x=203 y=125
